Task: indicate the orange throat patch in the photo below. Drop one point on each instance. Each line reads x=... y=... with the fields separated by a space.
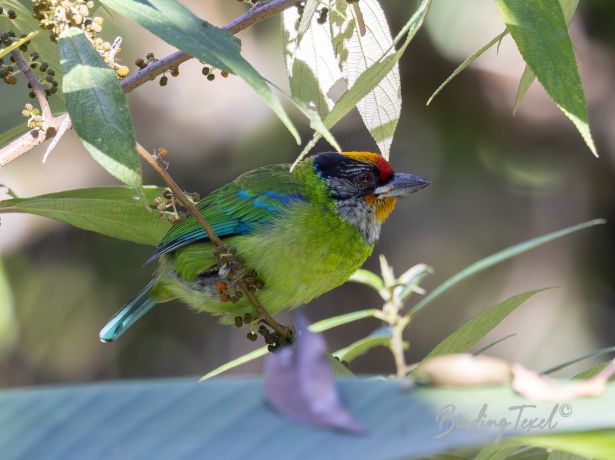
x=382 y=206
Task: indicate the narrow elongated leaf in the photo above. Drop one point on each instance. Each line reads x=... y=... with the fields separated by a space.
x=16 y=44
x=319 y=326
x=7 y=136
x=370 y=78
x=466 y=63
x=474 y=330
x=496 y=258
x=490 y=345
x=541 y=34
x=594 y=370
x=176 y=25
x=357 y=50
x=569 y=7
x=310 y=61
x=578 y=359
x=183 y=420
x=98 y=107
x=111 y=211
x=367 y=278
x=380 y=337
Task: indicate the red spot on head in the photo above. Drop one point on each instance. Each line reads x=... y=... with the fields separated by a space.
x=384 y=167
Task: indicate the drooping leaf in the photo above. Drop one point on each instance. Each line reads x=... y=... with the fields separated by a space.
x=496 y=258
x=319 y=326
x=183 y=420
x=474 y=330
x=310 y=61
x=466 y=63
x=540 y=31
x=369 y=79
x=299 y=383
x=111 y=211
x=357 y=50
x=569 y=7
x=176 y=25
x=380 y=337
x=98 y=108
x=500 y=451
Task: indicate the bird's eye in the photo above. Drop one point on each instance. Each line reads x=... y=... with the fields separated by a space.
x=365 y=178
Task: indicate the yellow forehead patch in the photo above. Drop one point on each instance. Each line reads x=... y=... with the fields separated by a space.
x=366 y=157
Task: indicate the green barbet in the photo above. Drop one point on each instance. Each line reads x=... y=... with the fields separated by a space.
x=302 y=233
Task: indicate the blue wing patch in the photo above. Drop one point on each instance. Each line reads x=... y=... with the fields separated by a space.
x=240 y=220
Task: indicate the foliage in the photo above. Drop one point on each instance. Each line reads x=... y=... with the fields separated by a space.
x=328 y=44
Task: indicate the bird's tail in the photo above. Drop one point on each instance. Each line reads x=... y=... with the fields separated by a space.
x=128 y=314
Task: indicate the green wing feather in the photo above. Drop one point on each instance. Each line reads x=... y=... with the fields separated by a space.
x=253 y=199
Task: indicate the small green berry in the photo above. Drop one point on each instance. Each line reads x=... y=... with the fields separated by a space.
x=211 y=77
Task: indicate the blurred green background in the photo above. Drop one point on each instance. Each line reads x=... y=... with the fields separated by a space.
x=497 y=180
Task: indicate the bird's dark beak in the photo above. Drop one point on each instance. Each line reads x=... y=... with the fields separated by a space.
x=402 y=184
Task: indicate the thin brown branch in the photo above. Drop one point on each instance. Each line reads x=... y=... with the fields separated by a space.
x=179 y=194
x=249 y=18
x=39 y=92
x=28 y=141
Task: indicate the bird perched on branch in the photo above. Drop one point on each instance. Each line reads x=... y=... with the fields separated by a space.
x=298 y=234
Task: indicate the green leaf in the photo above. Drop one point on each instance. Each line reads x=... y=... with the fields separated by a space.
x=371 y=77
x=500 y=451
x=466 y=63
x=16 y=44
x=310 y=61
x=356 y=50
x=380 y=337
x=541 y=34
x=176 y=25
x=12 y=133
x=594 y=370
x=490 y=345
x=25 y=23
x=98 y=108
x=475 y=329
x=111 y=211
x=228 y=418
x=569 y=7
x=496 y=258
x=368 y=278
x=578 y=359
x=319 y=326
x=593 y=444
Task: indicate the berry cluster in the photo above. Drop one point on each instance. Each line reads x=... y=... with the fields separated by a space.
x=57 y=15
x=35 y=121
x=272 y=339
x=323 y=13
x=8 y=72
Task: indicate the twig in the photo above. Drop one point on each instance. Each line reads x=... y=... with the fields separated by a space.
x=34 y=137
x=249 y=18
x=39 y=92
x=179 y=194
x=28 y=141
